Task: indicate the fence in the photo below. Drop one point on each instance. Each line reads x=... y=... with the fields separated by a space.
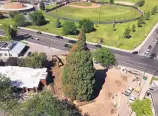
x=98 y=22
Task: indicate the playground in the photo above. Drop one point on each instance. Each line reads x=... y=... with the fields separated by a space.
x=95 y=12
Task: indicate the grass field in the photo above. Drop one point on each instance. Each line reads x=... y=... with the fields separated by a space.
x=105 y=31
x=108 y=13
x=50 y=6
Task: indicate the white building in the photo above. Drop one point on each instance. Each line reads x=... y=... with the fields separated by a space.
x=13 y=49
x=28 y=79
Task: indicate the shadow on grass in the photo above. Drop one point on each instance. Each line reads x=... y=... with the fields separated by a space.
x=100 y=77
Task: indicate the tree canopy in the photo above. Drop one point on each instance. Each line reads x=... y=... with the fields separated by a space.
x=142 y=107
x=42 y=5
x=8 y=100
x=37 y=60
x=87 y=24
x=37 y=18
x=46 y=104
x=20 y=19
x=78 y=75
x=104 y=56
x=10 y=31
x=69 y=28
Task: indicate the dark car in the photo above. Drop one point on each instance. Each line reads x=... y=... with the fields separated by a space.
x=29 y=53
x=59 y=37
x=72 y=41
x=135 y=52
x=38 y=32
x=68 y=46
x=152 y=56
x=98 y=46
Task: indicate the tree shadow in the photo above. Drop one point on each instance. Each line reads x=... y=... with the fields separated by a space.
x=100 y=76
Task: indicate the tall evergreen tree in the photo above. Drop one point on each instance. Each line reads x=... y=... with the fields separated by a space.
x=78 y=75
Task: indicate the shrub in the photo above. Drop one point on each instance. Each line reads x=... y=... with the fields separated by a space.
x=69 y=28
x=140 y=3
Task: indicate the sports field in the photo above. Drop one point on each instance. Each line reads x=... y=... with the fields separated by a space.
x=107 y=13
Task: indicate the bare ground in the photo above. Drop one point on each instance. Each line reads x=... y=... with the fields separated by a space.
x=94 y=5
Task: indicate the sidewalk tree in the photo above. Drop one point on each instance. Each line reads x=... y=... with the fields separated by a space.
x=127 y=33
x=147 y=15
x=142 y=107
x=69 y=28
x=78 y=74
x=42 y=5
x=87 y=24
x=133 y=28
x=46 y=104
x=104 y=56
x=37 y=18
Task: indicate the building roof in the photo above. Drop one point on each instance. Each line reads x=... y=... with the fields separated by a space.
x=2 y=43
x=18 y=48
x=154 y=95
x=24 y=76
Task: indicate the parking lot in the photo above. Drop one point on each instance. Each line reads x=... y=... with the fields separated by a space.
x=40 y=48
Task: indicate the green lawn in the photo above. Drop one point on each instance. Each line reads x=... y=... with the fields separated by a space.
x=50 y=6
x=111 y=38
x=82 y=3
x=108 y=13
x=134 y=1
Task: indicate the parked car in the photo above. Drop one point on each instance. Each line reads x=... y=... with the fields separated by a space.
x=131 y=99
x=135 y=52
x=38 y=32
x=152 y=56
x=98 y=46
x=67 y=45
x=36 y=38
x=128 y=91
x=29 y=53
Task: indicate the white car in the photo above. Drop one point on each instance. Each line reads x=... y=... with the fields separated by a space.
x=131 y=99
x=36 y=38
x=128 y=91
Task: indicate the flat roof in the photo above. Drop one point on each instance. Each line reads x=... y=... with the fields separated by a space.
x=18 y=48
x=154 y=95
x=23 y=76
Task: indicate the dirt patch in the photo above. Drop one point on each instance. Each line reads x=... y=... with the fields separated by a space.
x=125 y=3
x=105 y=104
x=94 y=5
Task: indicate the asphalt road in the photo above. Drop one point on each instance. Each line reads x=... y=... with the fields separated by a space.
x=126 y=59
x=137 y=62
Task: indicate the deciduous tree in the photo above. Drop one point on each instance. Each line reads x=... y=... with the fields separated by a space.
x=127 y=33
x=133 y=28
x=42 y=5
x=142 y=107
x=37 y=18
x=87 y=24
x=69 y=28
x=147 y=15
x=104 y=56
x=19 y=19
x=140 y=3
x=46 y=104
